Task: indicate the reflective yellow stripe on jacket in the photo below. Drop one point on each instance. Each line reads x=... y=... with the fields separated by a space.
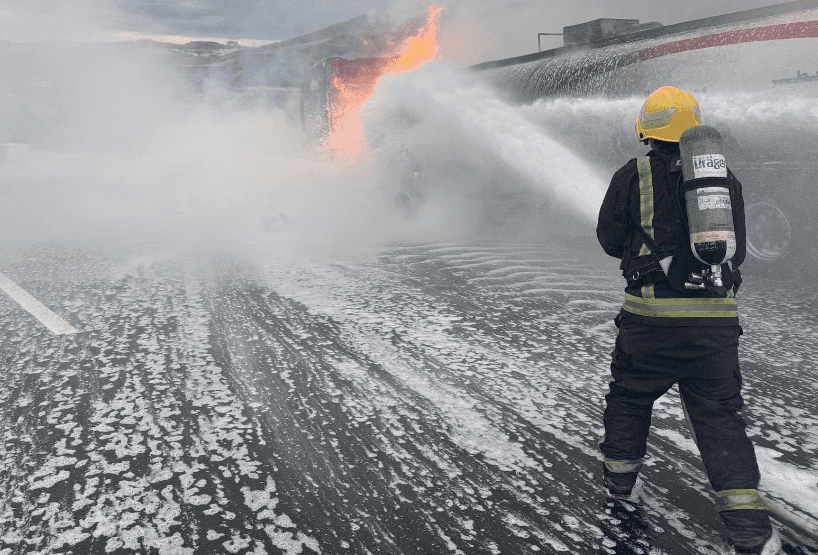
x=645 y=199
x=681 y=307
x=646 y=209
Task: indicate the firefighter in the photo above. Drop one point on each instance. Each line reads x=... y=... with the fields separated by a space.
x=670 y=334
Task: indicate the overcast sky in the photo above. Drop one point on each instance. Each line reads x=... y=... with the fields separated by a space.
x=499 y=27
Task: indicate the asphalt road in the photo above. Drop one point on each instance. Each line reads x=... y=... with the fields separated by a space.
x=415 y=398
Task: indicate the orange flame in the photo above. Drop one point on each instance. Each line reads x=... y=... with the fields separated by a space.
x=354 y=82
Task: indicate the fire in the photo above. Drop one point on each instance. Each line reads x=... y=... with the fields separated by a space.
x=354 y=82
x=418 y=49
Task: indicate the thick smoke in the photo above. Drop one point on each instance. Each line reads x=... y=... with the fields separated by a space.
x=114 y=139
x=106 y=139
x=101 y=140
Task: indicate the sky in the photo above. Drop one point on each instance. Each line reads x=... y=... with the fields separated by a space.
x=487 y=27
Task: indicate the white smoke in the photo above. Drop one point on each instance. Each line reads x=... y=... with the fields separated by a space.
x=102 y=140
x=99 y=141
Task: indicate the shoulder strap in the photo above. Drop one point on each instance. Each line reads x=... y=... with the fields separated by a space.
x=657 y=251
x=646 y=212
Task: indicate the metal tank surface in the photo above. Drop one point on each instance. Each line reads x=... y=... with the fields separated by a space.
x=707 y=198
x=741 y=68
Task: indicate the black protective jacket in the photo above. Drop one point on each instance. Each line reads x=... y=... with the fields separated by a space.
x=621 y=213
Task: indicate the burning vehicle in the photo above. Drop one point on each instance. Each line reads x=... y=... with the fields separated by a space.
x=335 y=90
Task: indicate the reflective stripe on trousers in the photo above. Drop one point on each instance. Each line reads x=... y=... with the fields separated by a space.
x=623 y=467
x=736 y=499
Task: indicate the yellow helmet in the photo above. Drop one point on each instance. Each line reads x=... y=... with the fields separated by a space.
x=667 y=113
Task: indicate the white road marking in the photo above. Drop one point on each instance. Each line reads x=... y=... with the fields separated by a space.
x=54 y=323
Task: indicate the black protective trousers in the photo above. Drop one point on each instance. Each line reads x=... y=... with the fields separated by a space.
x=703 y=360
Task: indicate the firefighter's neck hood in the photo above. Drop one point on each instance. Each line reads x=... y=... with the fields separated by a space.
x=664 y=147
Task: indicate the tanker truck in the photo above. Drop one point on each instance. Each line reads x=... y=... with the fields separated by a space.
x=755 y=73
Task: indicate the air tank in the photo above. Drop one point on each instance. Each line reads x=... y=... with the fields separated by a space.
x=707 y=198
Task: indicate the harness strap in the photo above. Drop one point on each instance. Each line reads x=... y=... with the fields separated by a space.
x=657 y=253
x=656 y=250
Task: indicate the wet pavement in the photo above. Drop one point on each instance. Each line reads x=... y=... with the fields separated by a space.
x=427 y=398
